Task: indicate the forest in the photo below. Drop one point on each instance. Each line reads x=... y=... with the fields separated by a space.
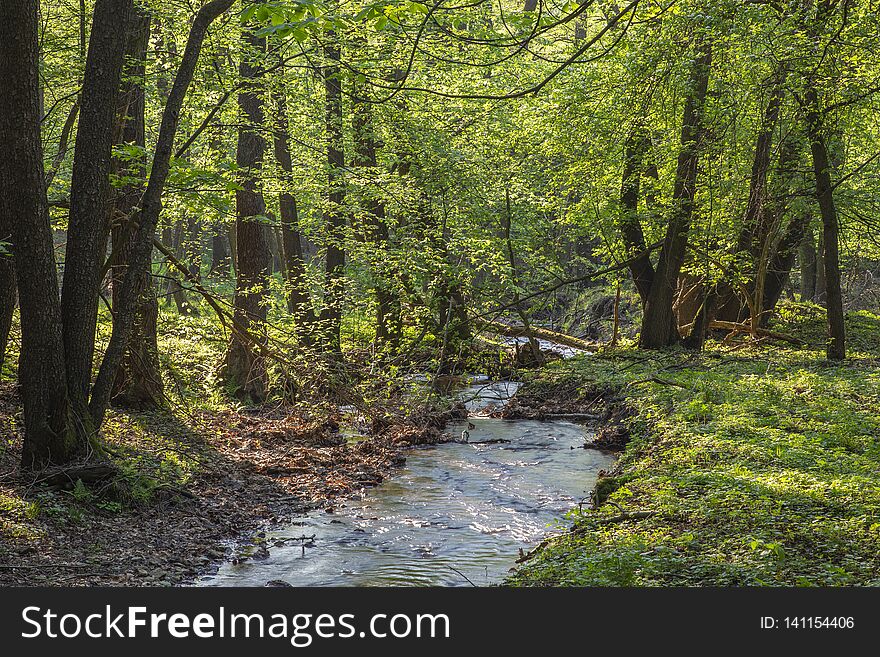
x=533 y=292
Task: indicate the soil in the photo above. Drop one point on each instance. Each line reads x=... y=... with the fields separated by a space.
x=600 y=406
x=253 y=471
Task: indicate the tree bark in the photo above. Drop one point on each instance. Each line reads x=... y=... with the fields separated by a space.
x=150 y=209
x=138 y=381
x=49 y=434
x=88 y=228
x=658 y=320
x=299 y=303
x=244 y=370
x=8 y=295
x=334 y=215
x=825 y=196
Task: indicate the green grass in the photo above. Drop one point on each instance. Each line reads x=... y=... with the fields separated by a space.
x=761 y=465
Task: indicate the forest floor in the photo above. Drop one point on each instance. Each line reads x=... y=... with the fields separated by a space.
x=742 y=466
x=188 y=488
x=197 y=481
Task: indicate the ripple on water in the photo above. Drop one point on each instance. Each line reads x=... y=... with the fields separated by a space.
x=452 y=512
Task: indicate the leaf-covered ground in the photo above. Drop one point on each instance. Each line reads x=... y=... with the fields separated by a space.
x=747 y=465
x=195 y=478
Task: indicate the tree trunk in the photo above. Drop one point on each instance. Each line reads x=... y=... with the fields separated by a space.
x=88 y=227
x=637 y=144
x=807 y=261
x=298 y=301
x=138 y=383
x=150 y=209
x=49 y=434
x=8 y=295
x=376 y=230
x=780 y=266
x=334 y=215
x=825 y=196
x=173 y=288
x=276 y=264
x=724 y=300
x=244 y=370
x=755 y=225
x=658 y=320
x=820 y=271
x=220 y=251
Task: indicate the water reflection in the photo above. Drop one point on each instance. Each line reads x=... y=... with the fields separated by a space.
x=453 y=513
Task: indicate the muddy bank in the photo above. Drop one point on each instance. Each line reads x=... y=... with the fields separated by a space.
x=187 y=491
x=601 y=406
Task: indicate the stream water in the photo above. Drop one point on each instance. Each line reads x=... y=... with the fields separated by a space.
x=455 y=514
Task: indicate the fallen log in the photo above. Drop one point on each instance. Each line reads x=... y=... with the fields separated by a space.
x=512 y=331
x=736 y=328
x=87 y=473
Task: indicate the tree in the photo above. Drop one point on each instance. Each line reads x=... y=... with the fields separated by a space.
x=138 y=381
x=49 y=426
x=659 y=328
x=88 y=228
x=299 y=302
x=334 y=214
x=244 y=369
x=375 y=227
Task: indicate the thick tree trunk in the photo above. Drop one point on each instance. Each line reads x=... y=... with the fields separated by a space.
x=825 y=196
x=298 y=301
x=88 y=227
x=138 y=381
x=150 y=209
x=49 y=434
x=334 y=215
x=658 y=320
x=244 y=370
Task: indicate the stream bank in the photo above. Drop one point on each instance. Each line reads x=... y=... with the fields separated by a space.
x=744 y=465
x=457 y=513
x=190 y=488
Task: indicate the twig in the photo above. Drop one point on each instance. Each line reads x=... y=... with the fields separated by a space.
x=463 y=575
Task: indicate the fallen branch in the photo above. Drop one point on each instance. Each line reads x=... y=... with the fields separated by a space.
x=41 y=566
x=512 y=331
x=736 y=329
x=574 y=417
x=87 y=473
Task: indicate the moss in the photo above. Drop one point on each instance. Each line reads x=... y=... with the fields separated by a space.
x=605 y=486
x=762 y=465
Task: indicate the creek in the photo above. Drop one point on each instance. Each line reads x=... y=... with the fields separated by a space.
x=455 y=514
